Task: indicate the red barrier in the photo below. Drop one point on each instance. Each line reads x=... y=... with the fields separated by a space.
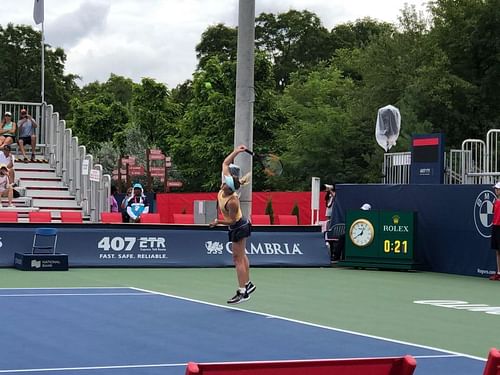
x=283 y=203
x=493 y=365
x=358 y=366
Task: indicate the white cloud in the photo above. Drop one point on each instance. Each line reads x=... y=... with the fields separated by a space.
x=157 y=38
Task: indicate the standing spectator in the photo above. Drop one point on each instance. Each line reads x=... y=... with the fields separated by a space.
x=7 y=159
x=329 y=200
x=123 y=205
x=495 y=231
x=5 y=185
x=113 y=204
x=137 y=205
x=27 y=136
x=8 y=130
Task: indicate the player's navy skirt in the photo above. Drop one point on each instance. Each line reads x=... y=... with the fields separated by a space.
x=495 y=237
x=241 y=229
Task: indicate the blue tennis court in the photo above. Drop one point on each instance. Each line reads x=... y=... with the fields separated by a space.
x=134 y=331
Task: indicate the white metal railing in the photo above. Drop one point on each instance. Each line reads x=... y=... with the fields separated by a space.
x=58 y=145
x=477 y=162
x=396 y=168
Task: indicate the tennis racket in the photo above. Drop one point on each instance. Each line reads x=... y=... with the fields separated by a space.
x=270 y=162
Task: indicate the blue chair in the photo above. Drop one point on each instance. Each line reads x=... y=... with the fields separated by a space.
x=45 y=241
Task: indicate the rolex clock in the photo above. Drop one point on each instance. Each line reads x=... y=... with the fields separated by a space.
x=380 y=239
x=361 y=232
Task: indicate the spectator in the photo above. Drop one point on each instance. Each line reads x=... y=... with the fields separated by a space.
x=113 y=204
x=123 y=205
x=137 y=204
x=27 y=136
x=8 y=130
x=5 y=185
x=329 y=200
x=7 y=159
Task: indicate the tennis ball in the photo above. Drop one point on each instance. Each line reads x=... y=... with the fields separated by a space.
x=208 y=85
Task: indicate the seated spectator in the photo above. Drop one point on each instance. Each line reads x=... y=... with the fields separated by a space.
x=27 y=136
x=113 y=204
x=6 y=189
x=123 y=205
x=8 y=130
x=7 y=158
x=137 y=205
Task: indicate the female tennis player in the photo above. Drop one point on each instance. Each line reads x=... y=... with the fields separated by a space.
x=239 y=226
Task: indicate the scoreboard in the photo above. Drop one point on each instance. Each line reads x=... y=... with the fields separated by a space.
x=380 y=239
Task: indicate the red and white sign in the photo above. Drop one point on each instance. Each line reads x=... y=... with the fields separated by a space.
x=130 y=160
x=157 y=171
x=174 y=183
x=136 y=171
x=157 y=152
x=156 y=156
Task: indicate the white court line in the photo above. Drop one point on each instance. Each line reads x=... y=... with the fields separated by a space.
x=452 y=353
x=90 y=368
x=72 y=294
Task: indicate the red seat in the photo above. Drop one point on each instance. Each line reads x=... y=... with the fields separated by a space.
x=492 y=366
x=261 y=220
x=183 y=219
x=8 y=217
x=287 y=220
x=40 y=217
x=111 y=217
x=71 y=217
x=358 y=366
x=150 y=218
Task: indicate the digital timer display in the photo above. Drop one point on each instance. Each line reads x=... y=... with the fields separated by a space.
x=396 y=246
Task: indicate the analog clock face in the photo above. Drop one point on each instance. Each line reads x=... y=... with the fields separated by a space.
x=361 y=232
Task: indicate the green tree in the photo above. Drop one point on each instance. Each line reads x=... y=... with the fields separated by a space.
x=293 y=41
x=97 y=120
x=469 y=33
x=220 y=41
x=319 y=137
x=20 y=70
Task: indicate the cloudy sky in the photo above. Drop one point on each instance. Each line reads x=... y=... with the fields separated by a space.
x=157 y=38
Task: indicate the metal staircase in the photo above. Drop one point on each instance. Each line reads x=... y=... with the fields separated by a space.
x=41 y=190
x=69 y=180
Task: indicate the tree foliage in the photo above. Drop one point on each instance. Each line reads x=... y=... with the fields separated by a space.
x=20 y=70
x=317 y=93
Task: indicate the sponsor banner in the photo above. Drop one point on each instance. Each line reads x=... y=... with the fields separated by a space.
x=453 y=226
x=130 y=246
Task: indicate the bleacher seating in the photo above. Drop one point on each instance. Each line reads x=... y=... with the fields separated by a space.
x=150 y=218
x=287 y=220
x=260 y=220
x=359 y=366
x=8 y=216
x=71 y=217
x=111 y=217
x=183 y=219
x=40 y=217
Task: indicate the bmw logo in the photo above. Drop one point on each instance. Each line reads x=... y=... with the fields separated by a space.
x=483 y=212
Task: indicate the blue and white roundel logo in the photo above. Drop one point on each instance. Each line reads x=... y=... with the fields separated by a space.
x=483 y=212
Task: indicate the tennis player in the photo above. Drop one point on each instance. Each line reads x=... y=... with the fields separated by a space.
x=240 y=227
